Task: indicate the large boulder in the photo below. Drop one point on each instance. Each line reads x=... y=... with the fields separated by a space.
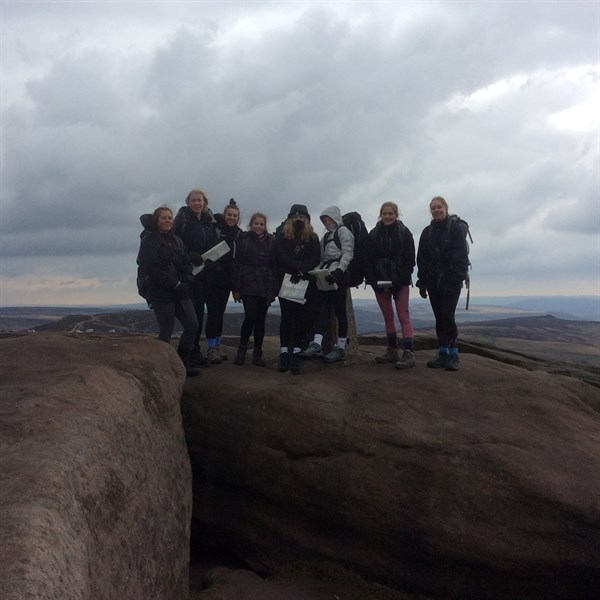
x=481 y=483
x=95 y=499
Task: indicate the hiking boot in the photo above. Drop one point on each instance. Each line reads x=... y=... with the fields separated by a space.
x=257 y=358
x=190 y=370
x=335 y=355
x=197 y=360
x=407 y=360
x=390 y=356
x=220 y=353
x=213 y=356
x=284 y=362
x=452 y=363
x=240 y=357
x=439 y=362
x=314 y=350
x=295 y=366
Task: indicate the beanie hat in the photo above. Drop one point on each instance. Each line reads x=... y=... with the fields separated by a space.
x=299 y=209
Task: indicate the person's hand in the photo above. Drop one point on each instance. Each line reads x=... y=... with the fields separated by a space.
x=423 y=292
x=295 y=277
x=196 y=259
x=330 y=280
x=377 y=289
x=236 y=297
x=337 y=275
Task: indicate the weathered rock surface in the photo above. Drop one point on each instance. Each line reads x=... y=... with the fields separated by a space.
x=95 y=499
x=477 y=484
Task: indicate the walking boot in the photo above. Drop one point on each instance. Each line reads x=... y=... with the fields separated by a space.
x=390 y=356
x=220 y=352
x=452 y=364
x=295 y=366
x=257 y=358
x=197 y=360
x=240 y=357
x=439 y=362
x=406 y=361
x=213 y=356
x=190 y=371
x=284 y=362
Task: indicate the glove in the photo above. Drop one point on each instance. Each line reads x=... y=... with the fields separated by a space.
x=181 y=291
x=337 y=275
x=423 y=292
x=236 y=297
x=208 y=265
x=196 y=259
x=295 y=278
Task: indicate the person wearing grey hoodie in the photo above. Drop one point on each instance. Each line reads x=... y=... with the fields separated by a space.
x=337 y=250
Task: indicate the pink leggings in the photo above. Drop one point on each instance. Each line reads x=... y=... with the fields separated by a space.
x=384 y=299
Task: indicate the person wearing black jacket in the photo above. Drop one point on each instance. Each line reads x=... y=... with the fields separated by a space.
x=443 y=263
x=165 y=262
x=253 y=285
x=297 y=251
x=392 y=260
x=196 y=226
x=220 y=277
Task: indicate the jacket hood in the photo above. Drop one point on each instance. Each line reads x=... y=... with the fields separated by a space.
x=146 y=221
x=333 y=212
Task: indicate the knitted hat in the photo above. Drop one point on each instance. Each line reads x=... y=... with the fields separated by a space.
x=299 y=209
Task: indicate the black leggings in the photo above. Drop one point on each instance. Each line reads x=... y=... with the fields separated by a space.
x=337 y=300
x=167 y=312
x=255 y=315
x=294 y=319
x=205 y=295
x=443 y=303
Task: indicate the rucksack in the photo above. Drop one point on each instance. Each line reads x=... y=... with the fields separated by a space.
x=455 y=220
x=355 y=274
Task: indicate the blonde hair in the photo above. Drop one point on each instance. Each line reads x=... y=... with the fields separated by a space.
x=289 y=232
x=198 y=191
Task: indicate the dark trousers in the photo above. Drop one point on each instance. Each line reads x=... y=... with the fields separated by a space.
x=204 y=295
x=443 y=303
x=325 y=302
x=255 y=315
x=293 y=322
x=183 y=311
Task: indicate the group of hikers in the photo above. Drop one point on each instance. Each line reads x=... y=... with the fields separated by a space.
x=190 y=263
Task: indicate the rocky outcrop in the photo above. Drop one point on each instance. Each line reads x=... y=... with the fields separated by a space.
x=477 y=484
x=96 y=484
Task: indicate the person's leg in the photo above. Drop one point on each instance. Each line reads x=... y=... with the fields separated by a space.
x=436 y=301
x=186 y=315
x=450 y=301
x=384 y=300
x=165 y=317
x=407 y=360
x=285 y=333
x=259 y=331
x=250 y=304
x=199 y=300
x=321 y=311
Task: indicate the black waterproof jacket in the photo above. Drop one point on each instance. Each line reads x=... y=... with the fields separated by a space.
x=164 y=259
x=295 y=255
x=253 y=266
x=391 y=255
x=198 y=235
x=443 y=255
x=222 y=272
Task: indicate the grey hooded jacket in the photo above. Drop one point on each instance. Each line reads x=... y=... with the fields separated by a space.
x=332 y=256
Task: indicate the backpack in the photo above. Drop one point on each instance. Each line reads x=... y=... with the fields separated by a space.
x=143 y=282
x=456 y=220
x=355 y=273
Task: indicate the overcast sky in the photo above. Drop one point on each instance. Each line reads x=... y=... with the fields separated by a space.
x=110 y=109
